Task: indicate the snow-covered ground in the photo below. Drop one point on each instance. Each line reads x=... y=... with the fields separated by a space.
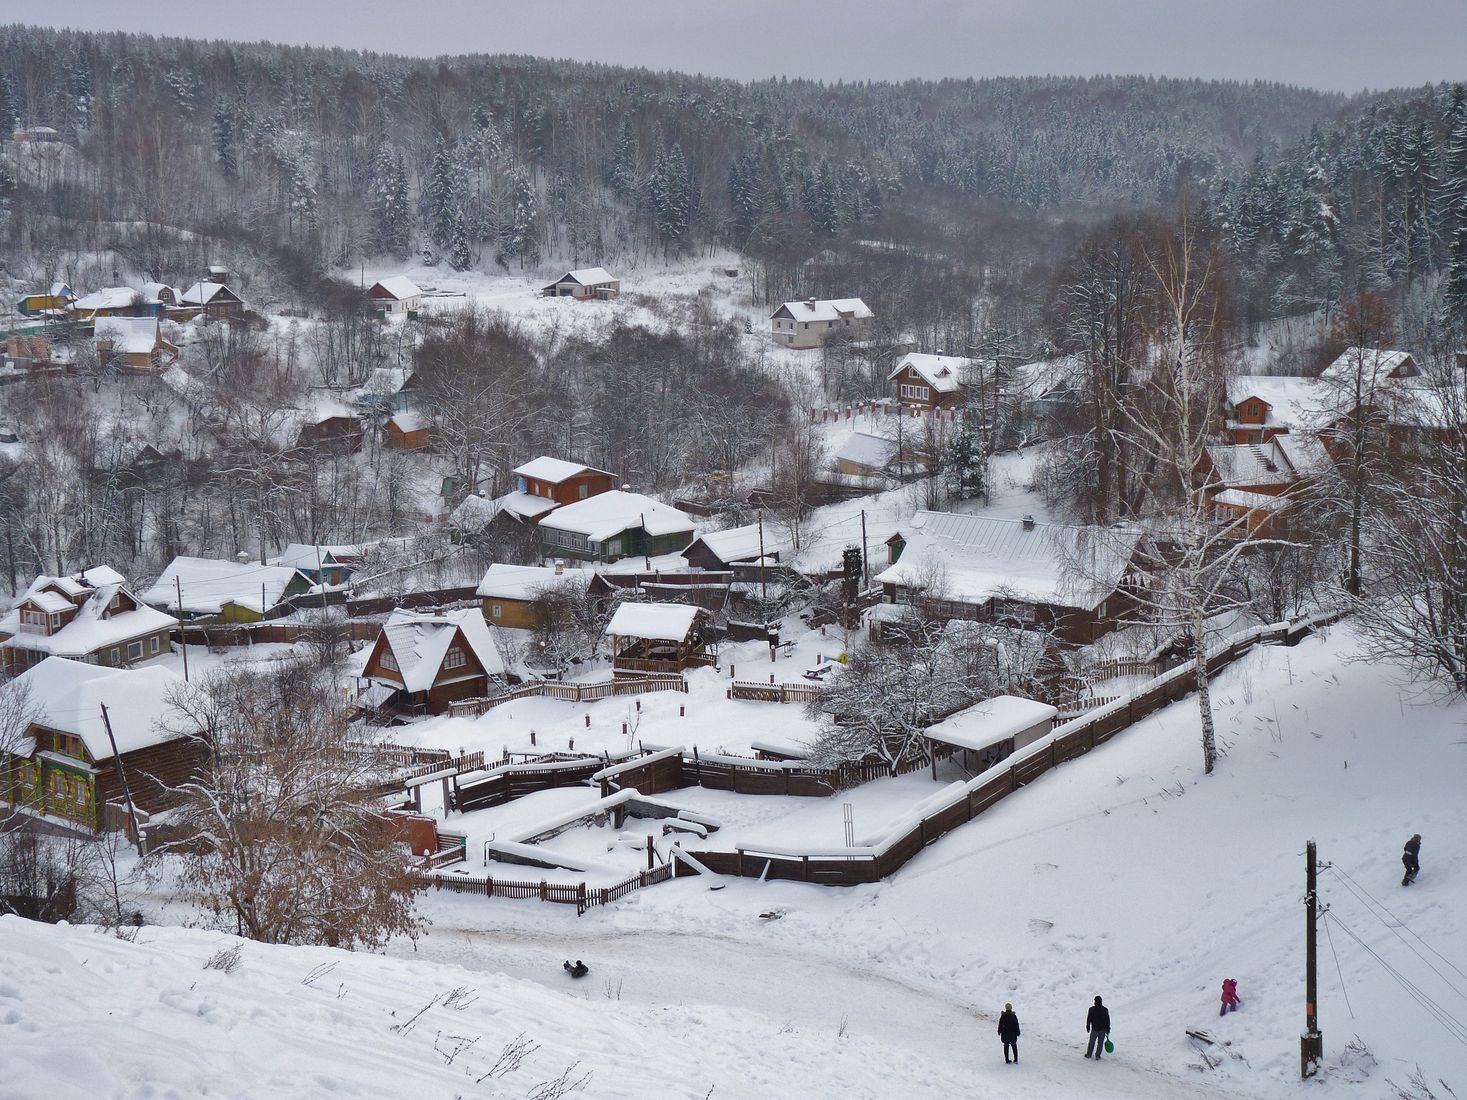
x=1125 y=873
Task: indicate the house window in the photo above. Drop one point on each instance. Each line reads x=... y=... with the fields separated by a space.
x=153 y=644
x=585 y=491
x=116 y=656
x=134 y=651
x=495 y=611
x=55 y=619
x=454 y=658
x=389 y=662
x=915 y=393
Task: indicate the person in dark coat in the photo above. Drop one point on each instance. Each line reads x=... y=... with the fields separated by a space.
x=1097 y=1022
x=580 y=970
x=1411 y=857
x=1008 y=1032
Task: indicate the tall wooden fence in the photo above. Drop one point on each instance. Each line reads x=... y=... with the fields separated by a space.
x=574 y=693
x=851 y=866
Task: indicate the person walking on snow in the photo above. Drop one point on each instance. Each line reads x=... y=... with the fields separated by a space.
x=1230 y=1001
x=1411 y=857
x=1008 y=1031
x=1097 y=1022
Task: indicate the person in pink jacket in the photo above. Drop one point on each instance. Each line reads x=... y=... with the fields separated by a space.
x=1230 y=1001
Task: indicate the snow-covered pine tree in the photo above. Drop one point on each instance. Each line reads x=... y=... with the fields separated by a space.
x=965 y=459
x=391 y=225
x=222 y=129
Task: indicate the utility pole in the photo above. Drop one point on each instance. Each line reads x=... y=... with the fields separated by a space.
x=132 y=816
x=763 y=589
x=865 y=555
x=182 y=633
x=1311 y=1043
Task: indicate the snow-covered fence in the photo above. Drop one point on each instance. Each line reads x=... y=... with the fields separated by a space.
x=580 y=895
x=773 y=693
x=959 y=803
x=507 y=782
x=573 y=693
x=653 y=774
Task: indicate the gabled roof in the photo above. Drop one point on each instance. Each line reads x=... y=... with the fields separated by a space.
x=301 y=555
x=586 y=276
x=972 y=559
x=865 y=449
x=153 y=291
x=524 y=506
x=827 y=309
x=526 y=582
x=129 y=335
x=93 y=627
x=555 y=470
x=658 y=622
x=992 y=721
x=1293 y=402
x=68 y=696
x=419 y=642
x=399 y=287
x=209 y=583
x=112 y=297
x=1376 y=365
x=408 y=421
x=736 y=543
x=944 y=373
x=204 y=292
x=606 y=515
x=61 y=290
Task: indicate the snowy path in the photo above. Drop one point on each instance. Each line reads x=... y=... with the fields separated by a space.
x=810 y=992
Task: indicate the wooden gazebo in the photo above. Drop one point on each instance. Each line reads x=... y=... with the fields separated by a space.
x=658 y=638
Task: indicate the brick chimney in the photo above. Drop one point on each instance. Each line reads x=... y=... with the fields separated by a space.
x=810 y=304
x=1028 y=523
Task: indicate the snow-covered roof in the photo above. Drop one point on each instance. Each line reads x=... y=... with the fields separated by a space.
x=659 y=622
x=607 y=515
x=419 y=641
x=827 y=309
x=383 y=382
x=111 y=297
x=399 y=287
x=1250 y=464
x=408 y=421
x=944 y=373
x=301 y=555
x=204 y=292
x=737 y=543
x=61 y=290
x=987 y=723
x=93 y=627
x=1293 y=402
x=473 y=513
x=555 y=470
x=865 y=449
x=586 y=276
x=209 y=583
x=971 y=559
x=69 y=695
x=131 y=335
x=526 y=582
x=1376 y=364
x=153 y=291
x=1241 y=498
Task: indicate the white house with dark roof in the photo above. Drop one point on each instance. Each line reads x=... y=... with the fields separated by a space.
x=809 y=324
x=587 y=282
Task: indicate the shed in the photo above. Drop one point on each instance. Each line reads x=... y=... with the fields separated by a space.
x=407 y=431
x=988 y=732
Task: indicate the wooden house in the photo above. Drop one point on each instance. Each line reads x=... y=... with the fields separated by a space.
x=91 y=616
x=328 y=565
x=231 y=591
x=133 y=343
x=386 y=391
x=396 y=294
x=113 y=301
x=56 y=302
x=658 y=638
x=561 y=482
x=614 y=525
x=72 y=765
x=929 y=381
x=514 y=595
x=588 y=282
x=809 y=324
x=421 y=662
x=1371 y=365
x=1078 y=582
x=1250 y=486
x=334 y=431
x=212 y=299
x=162 y=294
x=406 y=431
x=720 y=550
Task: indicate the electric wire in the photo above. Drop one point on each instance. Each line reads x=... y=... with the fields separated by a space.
x=1399 y=922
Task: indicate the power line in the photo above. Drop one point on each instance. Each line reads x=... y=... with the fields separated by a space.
x=1338 y=969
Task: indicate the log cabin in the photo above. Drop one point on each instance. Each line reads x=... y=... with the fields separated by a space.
x=421 y=662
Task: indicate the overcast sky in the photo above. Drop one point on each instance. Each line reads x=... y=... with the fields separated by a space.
x=1342 y=45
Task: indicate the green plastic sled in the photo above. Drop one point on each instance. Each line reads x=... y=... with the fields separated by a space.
x=1110 y=1048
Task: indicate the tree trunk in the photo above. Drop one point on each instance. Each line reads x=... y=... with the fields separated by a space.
x=1204 y=694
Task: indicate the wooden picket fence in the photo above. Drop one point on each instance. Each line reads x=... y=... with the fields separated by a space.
x=573 y=693
x=580 y=895
x=774 y=693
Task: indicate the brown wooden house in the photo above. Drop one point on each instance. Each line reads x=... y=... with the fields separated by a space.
x=72 y=765
x=406 y=431
x=91 y=616
x=929 y=381
x=658 y=638
x=423 y=661
x=212 y=299
x=334 y=431
x=134 y=343
x=563 y=482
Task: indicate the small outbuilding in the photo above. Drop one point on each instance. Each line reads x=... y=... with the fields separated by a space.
x=395 y=294
x=658 y=638
x=406 y=431
x=988 y=732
